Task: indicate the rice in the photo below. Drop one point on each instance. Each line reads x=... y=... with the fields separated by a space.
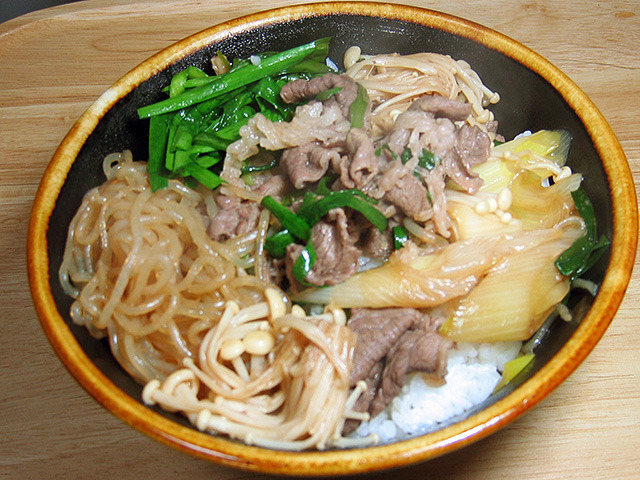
x=473 y=371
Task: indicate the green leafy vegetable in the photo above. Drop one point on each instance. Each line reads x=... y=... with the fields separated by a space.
x=247 y=168
x=237 y=77
x=276 y=244
x=353 y=198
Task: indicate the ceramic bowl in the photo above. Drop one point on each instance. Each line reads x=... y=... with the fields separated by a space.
x=534 y=95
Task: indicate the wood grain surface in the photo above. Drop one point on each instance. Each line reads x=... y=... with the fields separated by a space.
x=55 y=63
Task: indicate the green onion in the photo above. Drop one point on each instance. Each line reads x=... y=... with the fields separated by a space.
x=276 y=244
x=297 y=227
x=400 y=237
x=327 y=94
x=323 y=188
x=358 y=108
x=586 y=250
x=406 y=155
x=304 y=263
x=246 y=168
x=205 y=176
x=205 y=113
x=158 y=129
x=429 y=160
x=354 y=199
x=179 y=81
x=233 y=79
x=386 y=147
x=289 y=220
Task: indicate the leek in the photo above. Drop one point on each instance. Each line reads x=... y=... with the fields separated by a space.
x=512 y=368
x=409 y=279
x=543 y=152
x=514 y=298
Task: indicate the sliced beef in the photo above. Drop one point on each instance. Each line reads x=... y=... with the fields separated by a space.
x=302 y=89
x=436 y=183
x=433 y=123
x=234 y=217
x=442 y=107
x=472 y=146
x=378 y=330
x=416 y=350
x=358 y=168
x=376 y=244
x=392 y=343
x=410 y=195
x=337 y=255
x=308 y=163
x=275 y=186
x=363 y=403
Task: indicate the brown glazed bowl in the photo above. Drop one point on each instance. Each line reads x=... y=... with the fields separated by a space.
x=535 y=95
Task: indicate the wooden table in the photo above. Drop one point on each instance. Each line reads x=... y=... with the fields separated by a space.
x=55 y=62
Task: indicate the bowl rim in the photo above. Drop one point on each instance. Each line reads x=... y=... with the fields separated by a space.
x=331 y=462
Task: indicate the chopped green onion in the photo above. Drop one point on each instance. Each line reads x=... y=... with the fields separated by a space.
x=179 y=80
x=358 y=108
x=289 y=220
x=199 y=126
x=205 y=176
x=323 y=188
x=158 y=129
x=406 y=155
x=327 y=94
x=400 y=237
x=344 y=198
x=585 y=251
x=276 y=244
x=298 y=226
x=304 y=263
x=246 y=168
x=429 y=160
x=386 y=147
x=233 y=79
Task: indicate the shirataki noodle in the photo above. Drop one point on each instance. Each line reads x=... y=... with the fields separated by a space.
x=144 y=273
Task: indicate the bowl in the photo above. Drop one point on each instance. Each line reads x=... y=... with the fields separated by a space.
x=534 y=95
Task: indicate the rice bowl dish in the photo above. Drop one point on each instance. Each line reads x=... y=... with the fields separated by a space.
x=283 y=302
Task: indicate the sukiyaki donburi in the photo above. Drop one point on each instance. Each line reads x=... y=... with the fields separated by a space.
x=314 y=258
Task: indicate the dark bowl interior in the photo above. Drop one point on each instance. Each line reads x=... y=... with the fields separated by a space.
x=528 y=102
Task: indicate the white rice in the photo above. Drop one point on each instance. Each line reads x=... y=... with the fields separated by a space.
x=473 y=371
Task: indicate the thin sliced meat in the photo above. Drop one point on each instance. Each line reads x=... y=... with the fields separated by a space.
x=378 y=330
x=303 y=89
x=416 y=350
x=234 y=217
x=337 y=255
x=308 y=163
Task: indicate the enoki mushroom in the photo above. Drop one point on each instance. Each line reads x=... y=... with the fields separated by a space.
x=263 y=373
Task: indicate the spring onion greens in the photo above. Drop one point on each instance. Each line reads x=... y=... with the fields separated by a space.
x=586 y=250
x=190 y=131
x=296 y=227
x=400 y=237
x=358 y=108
